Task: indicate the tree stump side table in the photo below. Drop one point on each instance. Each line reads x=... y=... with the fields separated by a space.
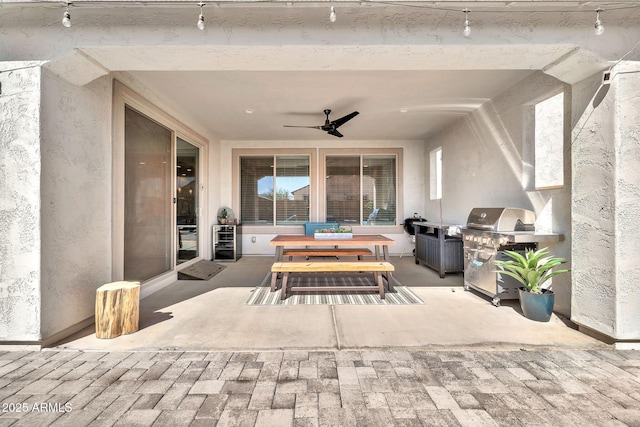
x=117 y=309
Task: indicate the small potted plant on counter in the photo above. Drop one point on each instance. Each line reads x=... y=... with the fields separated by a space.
x=223 y=216
x=532 y=270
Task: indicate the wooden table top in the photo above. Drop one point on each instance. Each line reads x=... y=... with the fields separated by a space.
x=356 y=240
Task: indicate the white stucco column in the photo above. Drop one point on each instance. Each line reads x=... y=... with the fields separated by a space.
x=20 y=207
x=606 y=214
x=55 y=203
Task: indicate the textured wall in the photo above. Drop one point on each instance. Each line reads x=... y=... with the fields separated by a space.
x=486 y=163
x=429 y=38
x=20 y=202
x=627 y=117
x=76 y=199
x=606 y=187
x=55 y=207
x=486 y=156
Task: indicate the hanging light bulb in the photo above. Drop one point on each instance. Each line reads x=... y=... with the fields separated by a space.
x=332 y=15
x=467 y=27
x=66 y=17
x=598 y=27
x=200 y=23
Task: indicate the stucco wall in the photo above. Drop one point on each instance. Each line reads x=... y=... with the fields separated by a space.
x=76 y=199
x=487 y=163
x=20 y=202
x=627 y=114
x=606 y=185
x=55 y=207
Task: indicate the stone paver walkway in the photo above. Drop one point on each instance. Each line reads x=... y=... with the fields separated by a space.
x=326 y=388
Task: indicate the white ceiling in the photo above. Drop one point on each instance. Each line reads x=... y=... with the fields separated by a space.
x=393 y=105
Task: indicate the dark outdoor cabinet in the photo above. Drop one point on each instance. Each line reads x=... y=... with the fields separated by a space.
x=438 y=251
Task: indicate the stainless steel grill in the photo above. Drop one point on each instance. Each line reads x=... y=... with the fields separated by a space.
x=489 y=232
x=501 y=219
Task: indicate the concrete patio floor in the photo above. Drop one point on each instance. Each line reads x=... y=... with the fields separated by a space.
x=194 y=315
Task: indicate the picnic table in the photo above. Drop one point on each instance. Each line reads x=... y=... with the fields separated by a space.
x=332 y=247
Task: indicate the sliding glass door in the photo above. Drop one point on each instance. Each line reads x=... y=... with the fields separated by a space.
x=187 y=157
x=158 y=191
x=148 y=207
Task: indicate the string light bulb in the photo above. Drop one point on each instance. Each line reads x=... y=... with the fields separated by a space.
x=332 y=15
x=66 y=17
x=200 y=23
x=467 y=27
x=598 y=27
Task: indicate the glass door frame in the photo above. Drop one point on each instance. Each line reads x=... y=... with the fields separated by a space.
x=123 y=95
x=201 y=198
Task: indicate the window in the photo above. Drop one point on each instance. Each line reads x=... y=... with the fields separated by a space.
x=549 y=142
x=435 y=177
x=274 y=190
x=288 y=187
x=361 y=189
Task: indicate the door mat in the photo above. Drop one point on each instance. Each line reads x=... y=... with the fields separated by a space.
x=262 y=294
x=201 y=270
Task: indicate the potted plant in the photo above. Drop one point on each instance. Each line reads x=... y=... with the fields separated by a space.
x=532 y=270
x=333 y=233
x=223 y=216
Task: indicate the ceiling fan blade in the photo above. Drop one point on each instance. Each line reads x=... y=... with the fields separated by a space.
x=308 y=127
x=330 y=127
x=339 y=122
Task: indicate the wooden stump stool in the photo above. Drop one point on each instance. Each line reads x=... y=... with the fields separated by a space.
x=117 y=309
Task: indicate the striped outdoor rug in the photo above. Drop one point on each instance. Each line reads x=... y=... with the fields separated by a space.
x=262 y=294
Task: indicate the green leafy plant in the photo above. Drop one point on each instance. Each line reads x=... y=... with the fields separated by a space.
x=531 y=270
x=333 y=230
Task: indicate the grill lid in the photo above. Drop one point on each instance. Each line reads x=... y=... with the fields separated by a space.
x=501 y=219
x=408 y=224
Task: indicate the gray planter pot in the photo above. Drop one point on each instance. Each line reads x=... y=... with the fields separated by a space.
x=537 y=307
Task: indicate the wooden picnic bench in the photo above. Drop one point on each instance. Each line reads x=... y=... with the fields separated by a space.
x=286 y=268
x=380 y=243
x=336 y=252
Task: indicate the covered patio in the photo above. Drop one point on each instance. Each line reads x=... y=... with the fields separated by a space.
x=228 y=90
x=198 y=315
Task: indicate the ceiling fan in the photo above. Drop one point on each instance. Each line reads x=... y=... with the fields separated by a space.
x=330 y=127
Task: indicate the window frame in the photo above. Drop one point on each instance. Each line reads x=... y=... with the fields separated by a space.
x=435 y=174
x=238 y=153
x=317 y=169
x=535 y=146
x=275 y=162
x=397 y=152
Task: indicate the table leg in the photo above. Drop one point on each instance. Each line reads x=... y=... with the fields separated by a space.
x=385 y=257
x=274 y=277
x=380 y=283
x=284 y=284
